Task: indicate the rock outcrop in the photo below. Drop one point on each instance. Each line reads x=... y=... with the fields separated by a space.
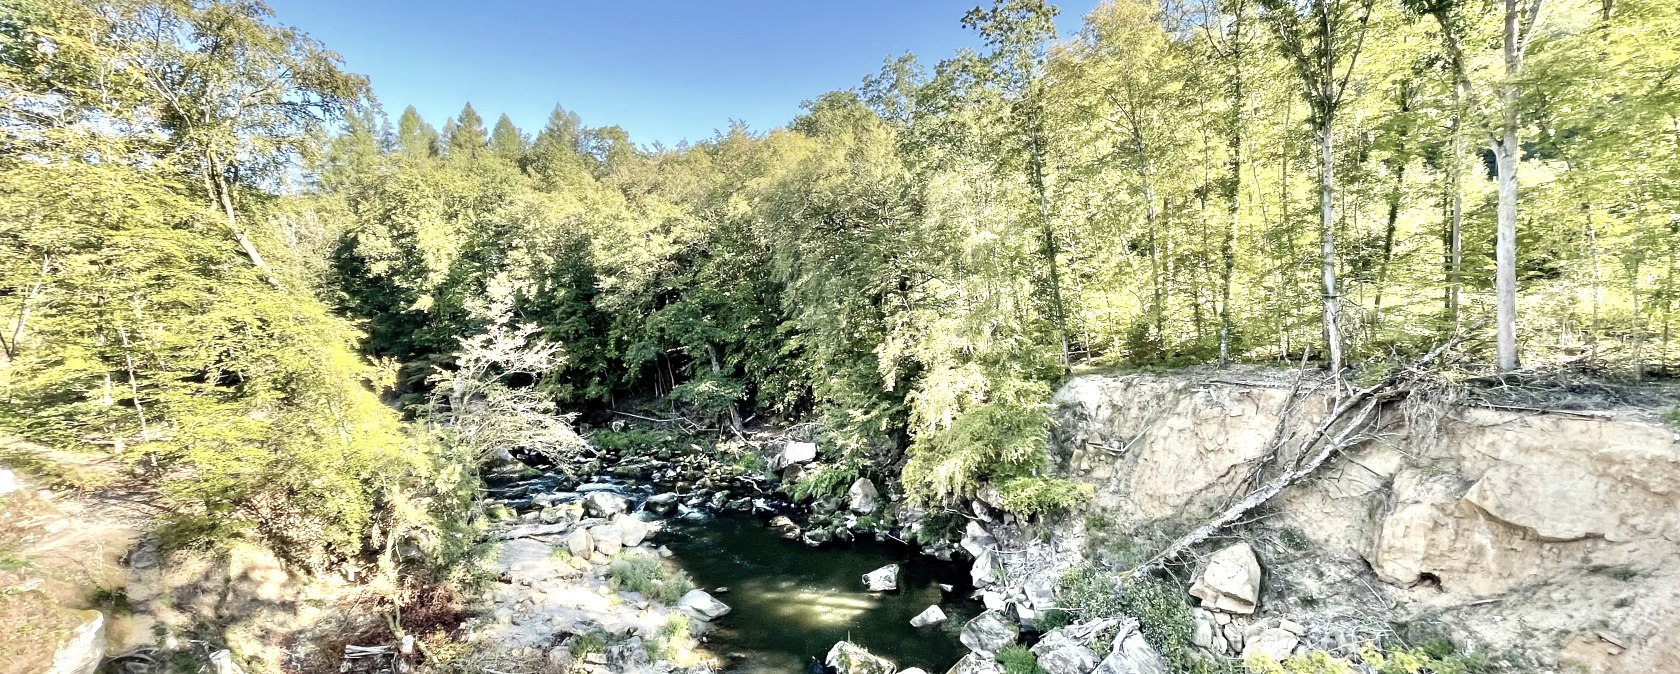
x=1517 y=531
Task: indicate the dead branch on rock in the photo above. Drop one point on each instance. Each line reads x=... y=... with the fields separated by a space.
x=1349 y=424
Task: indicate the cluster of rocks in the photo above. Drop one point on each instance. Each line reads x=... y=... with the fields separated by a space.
x=555 y=597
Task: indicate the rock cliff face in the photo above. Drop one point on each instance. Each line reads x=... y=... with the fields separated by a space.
x=1553 y=535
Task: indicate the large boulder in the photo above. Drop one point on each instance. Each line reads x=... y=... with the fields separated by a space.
x=1059 y=652
x=604 y=504
x=662 y=504
x=1075 y=659
x=632 y=531
x=1131 y=654
x=80 y=650
x=1231 y=580
x=884 y=579
x=785 y=526
x=932 y=615
x=702 y=606
x=608 y=539
x=988 y=633
x=580 y=543
x=974 y=663
x=862 y=497
x=1273 y=642
x=849 y=658
x=793 y=453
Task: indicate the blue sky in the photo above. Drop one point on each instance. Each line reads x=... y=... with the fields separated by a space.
x=665 y=71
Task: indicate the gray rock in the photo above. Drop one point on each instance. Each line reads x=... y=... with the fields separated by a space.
x=221 y=662
x=1231 y=580
x=1131 y=654
x=604 y=503
x=629 y=655
x=8 y=481
x=884 y=579
x=913 y=670
x=1233 y=636
x=662 y=504
x=1074 y=659
x=580 y=543
x=976 y=539
x=1273 y=642
x=632 y=531
x=785 y=526
x=988 y=633
x=982 y=571
x=1061 y=652
x=932 y=615
x=862 y=497
x=974 y=663
x=526 y=561
x=1203 y=634
x=608 y=539
x=793 y=453
x=702 y=606
x=1292 y=627
x=849 y=658
x=80 y=651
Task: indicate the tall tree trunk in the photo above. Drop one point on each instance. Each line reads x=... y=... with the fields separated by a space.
x=1393 y=217
x=1227 y=244
x=1059 y=316
x=1455 y=214
x=1507 y=151
x=1395 y=196
x=1327 y=237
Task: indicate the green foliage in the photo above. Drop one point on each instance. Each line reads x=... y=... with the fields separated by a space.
x=1018 y=659
x=674 y=640
x=992 y=440
x=649 y=577
x=1089 y=592
x=1032 y=496
x=1164 y=618
x=824 y=481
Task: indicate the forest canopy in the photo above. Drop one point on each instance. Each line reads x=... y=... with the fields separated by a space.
x=219 y=251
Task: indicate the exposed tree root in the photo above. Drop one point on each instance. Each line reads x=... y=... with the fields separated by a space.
x=1348 y=424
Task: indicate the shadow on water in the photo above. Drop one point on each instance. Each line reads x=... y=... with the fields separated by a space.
x=792 y=602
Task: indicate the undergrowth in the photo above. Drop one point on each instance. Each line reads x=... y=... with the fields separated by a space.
x=648 y=577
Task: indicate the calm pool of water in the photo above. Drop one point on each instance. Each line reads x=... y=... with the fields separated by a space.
x=792 y=602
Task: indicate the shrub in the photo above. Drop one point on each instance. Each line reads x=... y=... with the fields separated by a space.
x=1030 y=496
x=648 y=577
x=1017 y=659
x=1089 y=592
x=824 y=481
x=674 y=640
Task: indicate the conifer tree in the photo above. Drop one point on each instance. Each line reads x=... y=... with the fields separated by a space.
x=415 y=137
x=468 y=138
x=506 y=142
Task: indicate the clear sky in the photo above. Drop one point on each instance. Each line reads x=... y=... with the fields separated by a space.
x=665 y=71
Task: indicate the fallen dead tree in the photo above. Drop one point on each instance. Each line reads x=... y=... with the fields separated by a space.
x=1349 y=423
